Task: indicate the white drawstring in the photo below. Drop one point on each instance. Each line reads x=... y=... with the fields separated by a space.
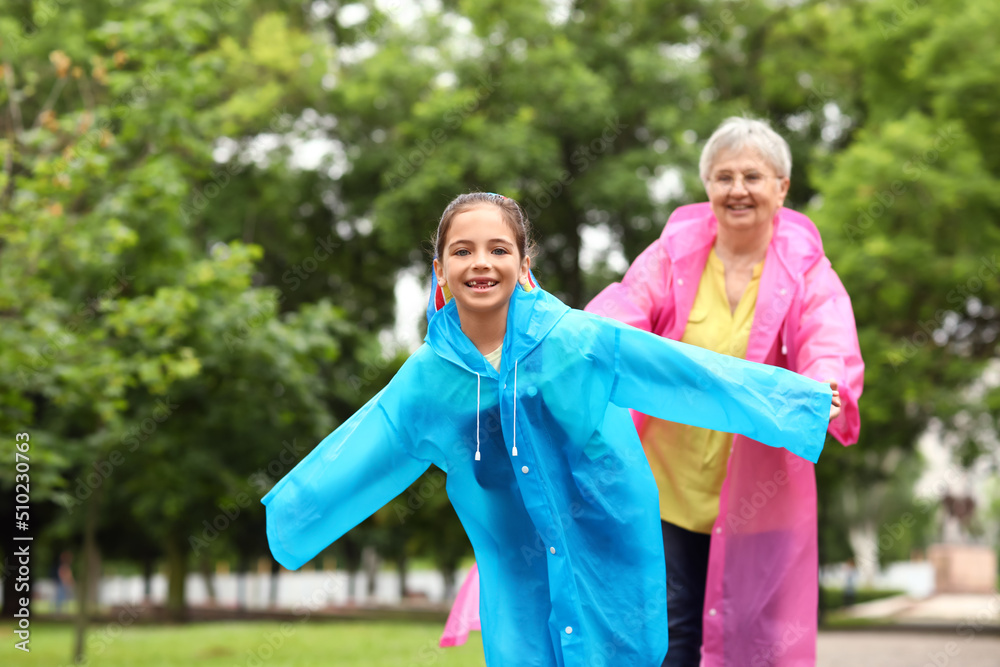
x=514 y=451
x=479 y=382
x=479 y=385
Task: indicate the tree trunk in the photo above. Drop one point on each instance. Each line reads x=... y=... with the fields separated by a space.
x=369 y=561
x=273 y=595
x=206 y=573
x=147 y=581
x=86 y=587
x=448 y=574
x=9 y=582
x=821 y=611
x=401 y=563
x=241 y=582
x=177 y=569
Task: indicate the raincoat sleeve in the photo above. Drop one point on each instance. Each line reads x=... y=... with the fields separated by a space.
x=688 y=384
x=638 y=298
x=353 y=472
x=827 y=345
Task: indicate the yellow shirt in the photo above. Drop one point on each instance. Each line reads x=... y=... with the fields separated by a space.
x=494 y=357
x=689 y=463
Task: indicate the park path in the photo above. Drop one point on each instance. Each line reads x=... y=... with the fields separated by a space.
x=908 y=649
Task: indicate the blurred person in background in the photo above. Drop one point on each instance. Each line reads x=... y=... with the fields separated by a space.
x=63 y=578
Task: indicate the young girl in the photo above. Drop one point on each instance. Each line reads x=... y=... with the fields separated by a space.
x=523 y=402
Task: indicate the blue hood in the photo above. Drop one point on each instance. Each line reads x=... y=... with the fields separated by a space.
x=530 y=317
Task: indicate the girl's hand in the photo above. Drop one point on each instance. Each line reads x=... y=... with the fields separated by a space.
x=835 y=402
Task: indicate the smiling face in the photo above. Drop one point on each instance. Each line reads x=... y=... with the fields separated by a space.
x=480 y=263
x=744 y=190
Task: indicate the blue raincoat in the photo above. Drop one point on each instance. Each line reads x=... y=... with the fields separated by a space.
x=544 y=469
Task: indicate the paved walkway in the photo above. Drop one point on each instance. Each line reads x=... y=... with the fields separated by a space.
x=908 y=649
x=940 y=610
x=939 y=631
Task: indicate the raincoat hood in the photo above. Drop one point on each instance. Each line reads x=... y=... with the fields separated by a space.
x=530 y=317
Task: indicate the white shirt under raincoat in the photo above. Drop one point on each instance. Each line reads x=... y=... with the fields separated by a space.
x=544 y=469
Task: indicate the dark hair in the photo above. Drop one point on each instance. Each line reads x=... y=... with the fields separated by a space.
x=509 y=211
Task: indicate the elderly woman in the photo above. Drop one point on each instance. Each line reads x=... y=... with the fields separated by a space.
x=741 y=275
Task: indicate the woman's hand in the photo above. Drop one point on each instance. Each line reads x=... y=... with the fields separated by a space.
x=835 y=402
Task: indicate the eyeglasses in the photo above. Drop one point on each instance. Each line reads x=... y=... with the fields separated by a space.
x=753 y=181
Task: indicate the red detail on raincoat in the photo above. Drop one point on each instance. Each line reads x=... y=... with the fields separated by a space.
x=761 y=597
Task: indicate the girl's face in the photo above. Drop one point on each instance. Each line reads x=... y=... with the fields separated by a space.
x=481 y=263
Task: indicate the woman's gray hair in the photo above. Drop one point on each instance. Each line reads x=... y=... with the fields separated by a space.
x=736 y=133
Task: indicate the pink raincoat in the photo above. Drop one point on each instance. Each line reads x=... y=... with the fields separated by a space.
x=761 y=596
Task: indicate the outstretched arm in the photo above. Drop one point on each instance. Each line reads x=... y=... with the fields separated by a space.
x=691 y=385
x=827 y=346
x=352 y=473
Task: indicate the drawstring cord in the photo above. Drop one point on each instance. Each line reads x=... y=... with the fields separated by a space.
x=514 y=451
x=479 y=387
x=479 y=384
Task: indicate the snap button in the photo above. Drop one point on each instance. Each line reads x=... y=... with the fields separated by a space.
x=718 y=530
x=782 y=291
x=680 y=281
x=711 y=612
x=552 y=549
x=569 y=630
x=524 y=469
x=532 y=391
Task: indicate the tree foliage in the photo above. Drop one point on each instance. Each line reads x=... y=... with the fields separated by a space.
x=204 y=207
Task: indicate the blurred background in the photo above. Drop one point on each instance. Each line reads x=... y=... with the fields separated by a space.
x=215 y=224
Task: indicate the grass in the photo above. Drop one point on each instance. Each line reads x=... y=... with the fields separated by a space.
x=271 y=644
x=833 y=598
